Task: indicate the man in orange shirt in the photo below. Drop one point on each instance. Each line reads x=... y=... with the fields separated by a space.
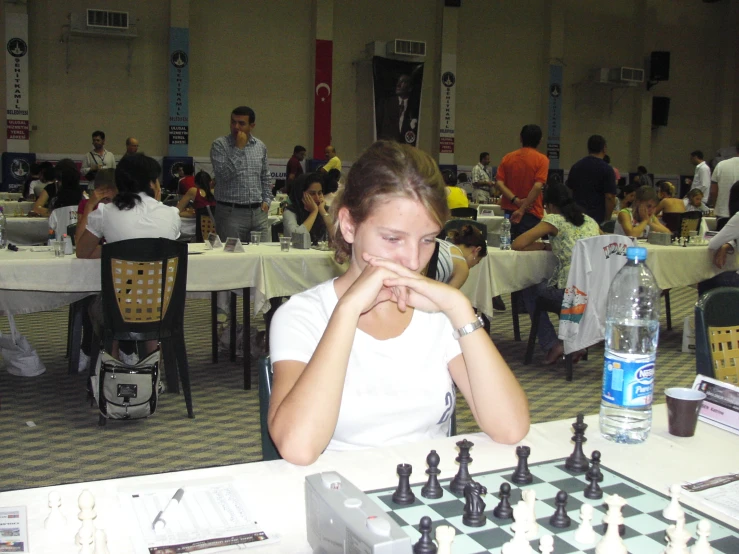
x=520 y=178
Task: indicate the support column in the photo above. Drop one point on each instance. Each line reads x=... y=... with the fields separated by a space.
x=725 y=126
x=641 y=136
x=448 y=75
x=179 y=77
x=324 y=25
x=16 y=77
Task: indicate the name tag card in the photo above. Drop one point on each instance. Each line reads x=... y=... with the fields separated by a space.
x=233 y=244
x=721 y=406
x=213 y=242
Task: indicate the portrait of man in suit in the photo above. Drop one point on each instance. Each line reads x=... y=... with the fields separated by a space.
x=397 y=100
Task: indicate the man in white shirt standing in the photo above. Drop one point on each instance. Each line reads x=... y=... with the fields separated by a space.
x=97 y=158
x=724 y=177
x=702 y=177
x=482 y=180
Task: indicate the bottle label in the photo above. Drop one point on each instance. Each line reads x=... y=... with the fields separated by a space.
x=628 y=384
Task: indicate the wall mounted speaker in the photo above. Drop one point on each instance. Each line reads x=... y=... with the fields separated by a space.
x=660 y=110
x=659 y=66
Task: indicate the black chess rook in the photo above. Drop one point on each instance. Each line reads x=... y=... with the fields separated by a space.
x=403 y=495
x=522 y=475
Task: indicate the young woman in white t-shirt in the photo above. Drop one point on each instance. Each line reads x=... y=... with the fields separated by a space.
x=371 y=358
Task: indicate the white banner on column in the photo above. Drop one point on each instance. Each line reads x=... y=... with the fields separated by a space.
x=16 y=80
x=446 y=121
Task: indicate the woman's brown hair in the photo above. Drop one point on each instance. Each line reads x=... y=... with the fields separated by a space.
x=386 y=170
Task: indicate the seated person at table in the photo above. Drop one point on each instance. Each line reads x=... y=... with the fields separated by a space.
x=626 y=196
x=463 y=250
x=639 y=219
x=187 y=181
x=200 y=195
x=333 y=178
x=134 y=212
x=63 y=191
x=724 y=244
x=565 y=223
x=667 y=202
x=694 y=202
x=370 y=358
x=35 y=187
x=456 y=197
x=307 y=210
x=104 y=191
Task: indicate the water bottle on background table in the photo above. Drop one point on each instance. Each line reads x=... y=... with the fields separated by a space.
x=632 y=332
x=505 y=233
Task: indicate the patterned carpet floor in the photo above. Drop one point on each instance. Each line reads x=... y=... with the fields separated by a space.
x=50 y=433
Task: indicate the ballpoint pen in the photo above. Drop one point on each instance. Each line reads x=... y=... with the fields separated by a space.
x=159 y=522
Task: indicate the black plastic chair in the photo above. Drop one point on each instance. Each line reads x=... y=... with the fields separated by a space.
x=131 y=280
x=680 y=224
x=464 y=213
x=264 y=367
x=718 y=308
x=277 y=229
x=608 y=227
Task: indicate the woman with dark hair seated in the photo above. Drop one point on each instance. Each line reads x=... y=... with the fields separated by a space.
x=307 y=210
x=200 y=195
x=463 y=250
x=135 y=211
x=723 y=245
x=565 y=223
x=64 y=191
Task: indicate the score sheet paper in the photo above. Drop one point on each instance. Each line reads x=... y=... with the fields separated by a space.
x=212 y=516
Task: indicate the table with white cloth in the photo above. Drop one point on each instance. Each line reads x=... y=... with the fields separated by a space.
x=10 y=195
x=187 y=227
x=505 y=271
x=37 y=281
x=488 y=210
x=274 y=491
x=492 y=222
x=28 y=230
x=11 y=207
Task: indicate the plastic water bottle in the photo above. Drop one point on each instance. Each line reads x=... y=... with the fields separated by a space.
x=632 y=332
x=3 y=230
x=505 y=233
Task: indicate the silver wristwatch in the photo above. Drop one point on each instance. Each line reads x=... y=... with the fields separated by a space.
x=469 y=328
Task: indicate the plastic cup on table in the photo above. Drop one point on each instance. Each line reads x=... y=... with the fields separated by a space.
x=255 y=237
x=683 y=406
x=58 y=248
x=285 y=243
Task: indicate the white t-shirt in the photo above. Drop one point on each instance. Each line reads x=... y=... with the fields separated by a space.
x=396 y=390
x=725 y=175
x=702 y=179
x=147 y=219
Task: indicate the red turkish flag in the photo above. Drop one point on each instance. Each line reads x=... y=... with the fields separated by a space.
x=322 y=101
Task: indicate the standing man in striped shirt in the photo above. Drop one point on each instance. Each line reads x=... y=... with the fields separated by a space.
x=243 y=186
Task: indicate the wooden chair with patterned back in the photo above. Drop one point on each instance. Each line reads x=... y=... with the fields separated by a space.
x=134 y=308
x=717 y=334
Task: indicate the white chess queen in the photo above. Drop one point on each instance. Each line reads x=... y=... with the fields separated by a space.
x=371 y=357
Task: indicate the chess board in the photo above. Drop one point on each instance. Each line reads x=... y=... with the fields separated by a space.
x=644 y=525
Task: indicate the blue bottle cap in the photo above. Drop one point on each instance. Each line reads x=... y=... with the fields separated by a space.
x=636 y=253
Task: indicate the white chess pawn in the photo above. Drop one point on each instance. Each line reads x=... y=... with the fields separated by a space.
x=87 y=538
x=86 y=502
x=673 y=510
x=702 y=546
x=101 y=542
x=529 y=497
x=444 y=537
x=585 y=534
x=55 y=520
x=546 y=544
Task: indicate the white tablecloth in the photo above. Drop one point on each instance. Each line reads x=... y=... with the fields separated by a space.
x=28 y=230
x=10 y=207
x=275 y=490
x=10 y=195
x=505 y=271
x=37 y=281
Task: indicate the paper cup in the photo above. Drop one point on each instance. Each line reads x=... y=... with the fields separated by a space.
x=683 y=405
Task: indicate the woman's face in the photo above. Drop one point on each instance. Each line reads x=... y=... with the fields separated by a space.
x=649 y=206
x=315 y=191
x=629 y=198
x=399 y=229
x=696 y=200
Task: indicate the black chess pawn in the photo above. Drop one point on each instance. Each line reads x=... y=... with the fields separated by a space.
x=425 y=545
x=403 y=495
x=504 y=510
x=474 y=507
x=432 y=488
x=593 y=490
x=560 y=519
x=577 y=462
x=594 y=470
x=522 y=475
x=462 y=478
